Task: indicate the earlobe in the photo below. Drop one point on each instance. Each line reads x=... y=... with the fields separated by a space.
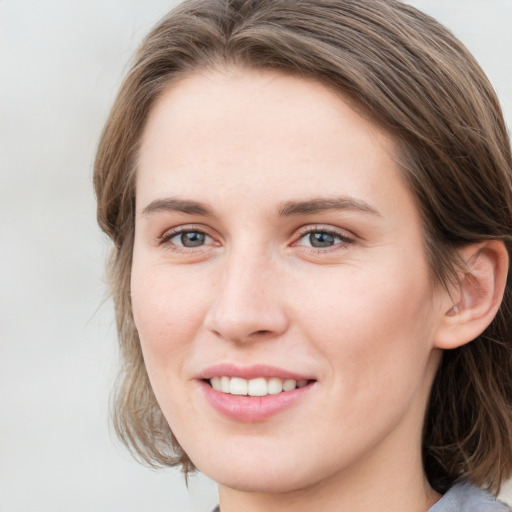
x=478 y=295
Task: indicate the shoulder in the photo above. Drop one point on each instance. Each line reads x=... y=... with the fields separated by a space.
x=465 y=497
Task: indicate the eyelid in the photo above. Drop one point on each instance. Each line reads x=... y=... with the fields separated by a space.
x=323 y=228
x=345 y=236
x=346 y=239
x=168 y=234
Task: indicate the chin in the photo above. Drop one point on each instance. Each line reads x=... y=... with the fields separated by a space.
x=259 y=481
x=262 y=475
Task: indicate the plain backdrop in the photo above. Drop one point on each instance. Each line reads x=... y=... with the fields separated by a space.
x=61 y=63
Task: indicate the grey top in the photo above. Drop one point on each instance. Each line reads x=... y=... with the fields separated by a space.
x=464 y=497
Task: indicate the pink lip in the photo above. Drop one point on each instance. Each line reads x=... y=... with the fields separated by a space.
x=249 y=372
x=247 y=408
x=252 y=408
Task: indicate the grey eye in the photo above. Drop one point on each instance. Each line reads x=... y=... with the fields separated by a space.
x=322 y=239
x=190 y=239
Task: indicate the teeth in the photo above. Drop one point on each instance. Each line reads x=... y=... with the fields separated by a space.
x=289 y=385
x=238 y=386
x=224 y=384
x=215 y=382
x=255 y=387
x=274 y=386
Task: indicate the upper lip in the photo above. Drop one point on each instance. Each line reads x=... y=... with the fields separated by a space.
x=250 y=372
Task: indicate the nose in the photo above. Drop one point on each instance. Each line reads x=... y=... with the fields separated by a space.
x=248 y=302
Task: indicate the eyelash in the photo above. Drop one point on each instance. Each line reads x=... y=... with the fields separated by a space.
x=165 y=239
x=344 y=240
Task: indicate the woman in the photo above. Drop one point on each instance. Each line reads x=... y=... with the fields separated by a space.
x=311 y=208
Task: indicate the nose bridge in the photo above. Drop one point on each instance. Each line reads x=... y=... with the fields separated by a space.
x=247 y=302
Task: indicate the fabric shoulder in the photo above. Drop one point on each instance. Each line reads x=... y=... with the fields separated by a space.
x=466 y=497
x=463 y=497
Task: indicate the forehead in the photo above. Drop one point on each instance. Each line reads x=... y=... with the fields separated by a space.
x=265 y=132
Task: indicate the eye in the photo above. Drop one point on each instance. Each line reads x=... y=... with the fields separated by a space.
x=189 y=238
x=322 y=239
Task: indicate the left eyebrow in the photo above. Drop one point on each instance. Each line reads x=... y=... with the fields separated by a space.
x=316 y=205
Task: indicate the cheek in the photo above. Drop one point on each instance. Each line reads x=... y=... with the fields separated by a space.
x=373 y=326
x=374 y=340
x=168 y=312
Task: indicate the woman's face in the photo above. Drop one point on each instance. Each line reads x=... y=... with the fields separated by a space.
x=277 y=246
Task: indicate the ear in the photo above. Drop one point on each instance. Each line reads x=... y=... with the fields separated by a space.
x=476 y=300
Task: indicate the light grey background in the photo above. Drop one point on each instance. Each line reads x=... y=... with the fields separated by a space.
x=60 y=65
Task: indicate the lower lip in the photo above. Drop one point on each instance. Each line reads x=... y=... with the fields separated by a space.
x=250 y=409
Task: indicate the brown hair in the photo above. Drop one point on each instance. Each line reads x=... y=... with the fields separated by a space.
x=412 y=76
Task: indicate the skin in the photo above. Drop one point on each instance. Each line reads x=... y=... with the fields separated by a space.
x=360 y=314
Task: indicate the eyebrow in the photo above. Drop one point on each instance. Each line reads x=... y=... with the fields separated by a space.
x=172 y=204
x=286 y=209
x=317 y=205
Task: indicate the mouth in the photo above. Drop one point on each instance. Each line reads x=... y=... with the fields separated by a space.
x=253 y=394
x=259 y=386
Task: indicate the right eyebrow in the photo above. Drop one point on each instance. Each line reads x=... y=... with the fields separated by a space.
x=173 y=204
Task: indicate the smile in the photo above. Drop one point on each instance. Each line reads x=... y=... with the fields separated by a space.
x=259 y=386
x=255 y=393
